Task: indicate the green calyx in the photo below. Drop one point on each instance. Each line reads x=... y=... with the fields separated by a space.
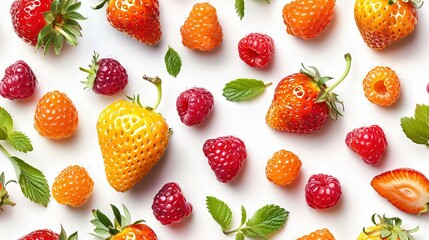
x=101 y=5
x=155 y=81
x=92 y=71
x=416 y=3
x=61 y=26
x=4 y=196
x=325 y=94
x=389 y=228
x=63 y=235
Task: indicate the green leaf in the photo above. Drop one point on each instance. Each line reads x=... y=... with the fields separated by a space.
x=126 y=220
x=239 y=236
x=5 y=120
x=415 y=130
x=19 y=141
x=267 y=220
x=239 y=8
x=422 y=113
x=103 y=219
x=220 y=212
x=118 y=217
x=243 y=215
x=97 y=223
x=243 y=89
x=3 y=134
x=33 y=182
x=173 y=63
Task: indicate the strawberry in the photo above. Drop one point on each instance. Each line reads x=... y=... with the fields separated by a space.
x=383 y=22
x=47 y=234
x=405 y=188
x=386 y=229
x=201 y=30
x=121 y=228
x=306 y=19
x=4 y=195
x=137 y=19
x=132 y=139
x=47 y=23
x=319 y=234
x=302 y=102
x=18 y=82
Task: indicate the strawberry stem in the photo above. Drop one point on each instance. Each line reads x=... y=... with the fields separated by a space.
x=157 y=82
x=348 y=58
x=268 y=84
x=5 y=151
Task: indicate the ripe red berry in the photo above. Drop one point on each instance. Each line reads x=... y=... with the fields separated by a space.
x=322 y=191
x=169 y=205
x=427 y=88
x=44 y=234
x=106 y=76
x=226 y=156
x=256 y=50
x=194 y=105
x=18 y=82
x=368 y=142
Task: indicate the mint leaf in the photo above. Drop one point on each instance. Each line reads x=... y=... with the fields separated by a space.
x=243 y=89
x=19 y=141
x=422 y=113
x=243 y=216
x=239 y=8
x=415 y=130
x=33 y=182
x=220 y=212
x=6 y=121
x=173 y=63
x=267 y=220
x=239 y=236
x=3 y=134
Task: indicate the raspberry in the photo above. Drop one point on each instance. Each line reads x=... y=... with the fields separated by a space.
x=105 y=76
x=45 y=234
x=194 y=105
x=322 y=191
x=169 y=205
x=319 y=234
x=283 y=167
x=256 y=50
x=381 y=86
x=226 y=156
x=368 y=142
x=18 y=82
x=427 y=87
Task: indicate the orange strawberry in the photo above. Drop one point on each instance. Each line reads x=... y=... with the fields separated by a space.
x=72 y=186
x=4 y=195
x=386 y=229
x=132 y=140
x=283 y=167
x=302 y=102
x=56 y=116
x=383 y=22
x=405 y=188
x=201 y=30
x=320 y=234
x=137 y=19
x=381 y=86
x=308 y=18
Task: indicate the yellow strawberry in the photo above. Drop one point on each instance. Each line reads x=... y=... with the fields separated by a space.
x=132 y=139
x=386 y=229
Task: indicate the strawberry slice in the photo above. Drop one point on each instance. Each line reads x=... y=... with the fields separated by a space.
x=407 y=189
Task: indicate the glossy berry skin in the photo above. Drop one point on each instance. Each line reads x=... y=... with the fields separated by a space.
x=19 y=81
x=137 y=232
x=44 y=234
x=381 y=86
x=322 y=191
x=256 y=50
x=320 y=234
x=306 y=19
x=283 y=168
x=169 y=204
x=226 y=156
x=194 y=105
x=201 y=30
x=56 y=116
x=368 y=142
x=382 y=24
x=73 y=186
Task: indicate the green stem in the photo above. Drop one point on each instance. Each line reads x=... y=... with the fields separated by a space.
x=230 y=232
x=5 y=152
x=86 y=70
x=7 y=201
x=157 y=82
x=268 y=84
x=348 y=58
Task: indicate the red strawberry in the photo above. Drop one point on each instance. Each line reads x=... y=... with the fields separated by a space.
x=368 y=142
x=405 y=188
x=106 y=76
x=47 y=234
x=57 y=19
x=169 y=205
x=226 y=156
x=194 y=105
x=322 y=191
x=18 y=82
x=256 y=50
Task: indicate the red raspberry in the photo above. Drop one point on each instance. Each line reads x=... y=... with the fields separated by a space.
x=226 y=156
x=18 y=82
x=194 y=105
x=44 y=234
x=256 y=50
x=169 y=205
x=368 y=142
x=322 y=191
x=427 y=88
x=105 y=76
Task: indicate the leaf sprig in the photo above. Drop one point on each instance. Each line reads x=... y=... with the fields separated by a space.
x=240 y=6
x=173 y=63
x=264 y=222
x=417 y=128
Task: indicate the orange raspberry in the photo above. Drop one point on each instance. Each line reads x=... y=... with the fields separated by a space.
x=321 y=234
x=56 y=116
x=72 y=186
x=283 y=167
x=381 y=86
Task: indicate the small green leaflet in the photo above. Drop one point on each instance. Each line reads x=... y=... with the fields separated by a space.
x=239 y=8
x=6 y=122
x=422 y=113
x=268 y=220
x=220 y=212
x=19 y=141
x=3 y=134
x=243 y=89
x=417 y=128
x=173 y=63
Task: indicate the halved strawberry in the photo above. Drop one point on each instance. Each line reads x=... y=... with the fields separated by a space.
x=406 y=188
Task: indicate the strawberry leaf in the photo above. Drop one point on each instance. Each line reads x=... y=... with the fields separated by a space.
x=243 y=216
x=19 y=141
x=239 y=8
x=422 y=113
x=267 y=220
x=243 y=89
x=416 y=130
x=3 y=134
x=220 y=212
x=173 y=63
x=239 y=236
x=6 y=121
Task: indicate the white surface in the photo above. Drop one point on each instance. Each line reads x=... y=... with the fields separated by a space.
x=184 y=161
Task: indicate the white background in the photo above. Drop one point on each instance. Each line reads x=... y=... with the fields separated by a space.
x=184 y=161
